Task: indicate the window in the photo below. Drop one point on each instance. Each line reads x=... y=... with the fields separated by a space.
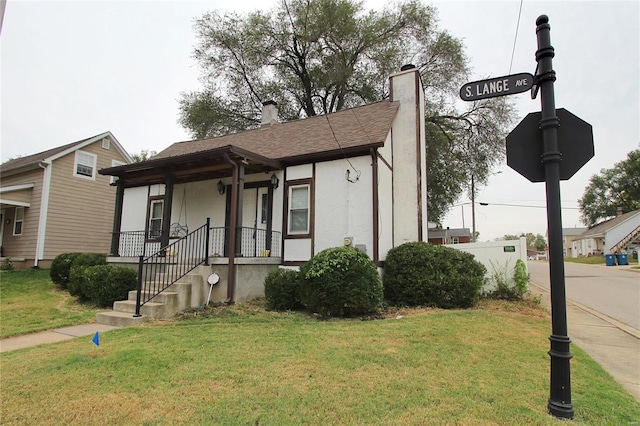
x=155 y=218
x=85 y=165
x=456 y=240
x=299 y=209
x=18 y=221
x=106 y=143
x=265 y=208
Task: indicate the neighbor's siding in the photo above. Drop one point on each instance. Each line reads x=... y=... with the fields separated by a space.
x=23 y=246
x=80 y=216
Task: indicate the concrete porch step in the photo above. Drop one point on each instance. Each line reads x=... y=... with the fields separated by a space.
x=119 y=319
x=153 y=309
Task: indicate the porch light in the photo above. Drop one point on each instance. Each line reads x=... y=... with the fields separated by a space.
x=275 y=182
x=221 y=187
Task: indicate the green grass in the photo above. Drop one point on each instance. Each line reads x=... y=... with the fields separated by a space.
x=30 y=302
x=244 y=365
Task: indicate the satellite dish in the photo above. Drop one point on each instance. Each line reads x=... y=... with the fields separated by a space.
x=213 y=279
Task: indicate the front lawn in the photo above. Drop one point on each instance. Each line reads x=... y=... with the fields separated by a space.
x=30 y=301
x=242 y=365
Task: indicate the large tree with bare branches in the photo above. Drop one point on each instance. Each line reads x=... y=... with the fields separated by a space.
x=320 y=56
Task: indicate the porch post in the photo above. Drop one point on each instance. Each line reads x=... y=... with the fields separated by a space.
x=239 y=200
x=269 y=219
x=117 y=219
x=233 y=220
x=166 y=213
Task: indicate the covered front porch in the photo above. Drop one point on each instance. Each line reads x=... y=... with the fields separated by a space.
x=230 y=196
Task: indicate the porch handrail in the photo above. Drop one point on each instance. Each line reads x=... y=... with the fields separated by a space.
x=160 y=270
x=251 y=242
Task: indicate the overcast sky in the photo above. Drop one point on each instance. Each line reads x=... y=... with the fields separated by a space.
x=70 y=70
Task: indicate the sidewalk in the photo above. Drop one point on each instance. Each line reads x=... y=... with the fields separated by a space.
x=52 y=336
x=612 y=344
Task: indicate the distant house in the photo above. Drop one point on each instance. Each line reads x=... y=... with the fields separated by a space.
x=610 y=236
x=568 y=236
x=281 y=193
x=55 y=201
x=441 y=236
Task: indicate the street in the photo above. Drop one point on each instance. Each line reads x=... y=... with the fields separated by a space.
x=612 y=291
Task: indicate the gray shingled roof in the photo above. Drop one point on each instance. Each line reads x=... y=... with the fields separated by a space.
x=35 y=159
x=603 y=227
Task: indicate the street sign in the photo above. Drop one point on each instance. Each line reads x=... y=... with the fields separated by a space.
x=499 y=86
x=525 y=146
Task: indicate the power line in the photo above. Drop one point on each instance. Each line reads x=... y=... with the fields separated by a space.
x=515 y=38
x=524 y=205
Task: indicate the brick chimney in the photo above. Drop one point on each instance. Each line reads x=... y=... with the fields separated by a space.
x=269 y=113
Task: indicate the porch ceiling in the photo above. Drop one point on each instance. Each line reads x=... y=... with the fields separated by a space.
x=204 y=165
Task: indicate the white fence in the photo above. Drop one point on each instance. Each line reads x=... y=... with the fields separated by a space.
x=496 y=256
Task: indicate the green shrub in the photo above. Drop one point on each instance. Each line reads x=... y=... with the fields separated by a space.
x=342 y=282
x=422 y=274
x=105 y=284
x=61 y=268
x=7 y=265
x=506 y=287
x=77 y=276
x=281 y=289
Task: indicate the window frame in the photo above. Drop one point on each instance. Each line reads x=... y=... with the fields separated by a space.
x=290 y=187
x=153 y=201
x=20 y=221
x=77 y=163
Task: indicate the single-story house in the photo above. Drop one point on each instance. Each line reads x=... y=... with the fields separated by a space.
x=568 y=236
x=449 y=236
x=610 y=236
x=277 y=195
x=55 y=201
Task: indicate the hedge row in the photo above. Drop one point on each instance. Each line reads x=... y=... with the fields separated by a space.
x=345 y=282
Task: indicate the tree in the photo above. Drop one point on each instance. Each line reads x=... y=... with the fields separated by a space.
x=611 y=190
x=536 y=241
x=320 y=56
x=144 y=155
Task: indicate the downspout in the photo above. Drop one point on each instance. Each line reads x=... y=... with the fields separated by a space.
x=233 y=223
x=44 y=210
x=376 y=224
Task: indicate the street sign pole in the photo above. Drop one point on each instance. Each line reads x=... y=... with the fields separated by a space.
x=560 y=384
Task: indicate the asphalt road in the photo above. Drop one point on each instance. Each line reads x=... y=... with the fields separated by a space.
x=610 y=290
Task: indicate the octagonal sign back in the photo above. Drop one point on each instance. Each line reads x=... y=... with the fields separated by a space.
x=525 y=146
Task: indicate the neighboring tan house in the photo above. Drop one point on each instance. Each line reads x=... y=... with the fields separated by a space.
x=279 y=194
x=440 y=236
x=568 y=236
x=55 y=201
x=611 y=236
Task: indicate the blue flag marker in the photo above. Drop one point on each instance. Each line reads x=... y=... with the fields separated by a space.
x=96 y=339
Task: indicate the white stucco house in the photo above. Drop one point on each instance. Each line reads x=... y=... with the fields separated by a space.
x=610 y=236
x=278 y=194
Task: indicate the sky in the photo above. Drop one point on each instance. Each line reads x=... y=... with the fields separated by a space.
x=73 y=69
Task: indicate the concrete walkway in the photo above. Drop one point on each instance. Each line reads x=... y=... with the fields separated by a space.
x=52 y=336
x=611 y=343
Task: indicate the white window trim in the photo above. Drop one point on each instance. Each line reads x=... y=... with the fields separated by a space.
x=115 y=163
x=16 y=220
x=106 y=143
x=151 y=218
x=308 y=230
x=93 y=167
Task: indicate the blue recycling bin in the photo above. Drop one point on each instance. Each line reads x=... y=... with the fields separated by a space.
x=622 y=259
x=610 y=259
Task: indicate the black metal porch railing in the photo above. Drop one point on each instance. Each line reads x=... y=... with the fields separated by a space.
x=253 y=242
x=166 y=266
